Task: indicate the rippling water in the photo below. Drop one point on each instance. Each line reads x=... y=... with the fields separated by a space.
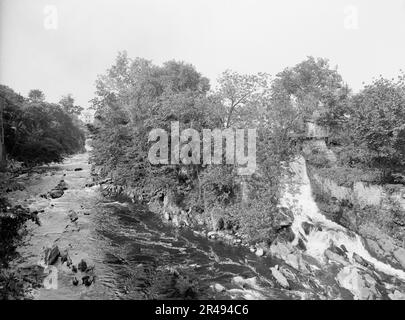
x=143 y=258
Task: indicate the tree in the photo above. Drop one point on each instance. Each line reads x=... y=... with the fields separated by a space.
x=68 y=104
x=36 y=95
x=240 y=94
x=311 y=89
x=377 y=123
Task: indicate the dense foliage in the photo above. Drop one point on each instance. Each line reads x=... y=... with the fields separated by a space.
x=37 y=132
x=136 y=96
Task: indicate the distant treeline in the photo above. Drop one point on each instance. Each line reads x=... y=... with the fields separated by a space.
x=37 y=132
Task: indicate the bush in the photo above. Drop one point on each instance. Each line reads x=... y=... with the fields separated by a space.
x=318 y=159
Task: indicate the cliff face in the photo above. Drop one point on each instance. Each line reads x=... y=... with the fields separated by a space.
x=376 y=212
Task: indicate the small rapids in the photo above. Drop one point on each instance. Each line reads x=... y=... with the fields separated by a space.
x=324 y=233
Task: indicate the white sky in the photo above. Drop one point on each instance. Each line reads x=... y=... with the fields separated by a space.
x=244 y=35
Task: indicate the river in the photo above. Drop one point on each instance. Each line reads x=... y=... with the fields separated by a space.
x=132 y=254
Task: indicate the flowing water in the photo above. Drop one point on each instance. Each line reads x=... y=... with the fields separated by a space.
x=137 y=256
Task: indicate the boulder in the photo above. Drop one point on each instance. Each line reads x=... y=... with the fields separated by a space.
x=82 y=266
x=78 y=169
x=87 y=280
x=332 y=256
x=56 y=193
x=301 y=245
x=396 y=295
x=307 y=227
x=75 y=281
x=62 y=185
x=359 y=283
x=73 y=216
x=281 y=279
x=218 y=287
x=64 y=256
x=51 y=255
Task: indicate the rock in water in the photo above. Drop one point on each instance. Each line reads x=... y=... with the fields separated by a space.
x=56 y=193
x=51 y=255
x=62 y=185
x=218 y=288
x=335 y=257
x=64 y=256
x=73 y=216
x=281 y=279
x=360 y=260
x=359 y=283
x=87 y=280
x=396 y=295
x=75 y=281
x=307 y=227
x=82 y=266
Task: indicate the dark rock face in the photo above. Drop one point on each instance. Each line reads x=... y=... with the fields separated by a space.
x=51 y=255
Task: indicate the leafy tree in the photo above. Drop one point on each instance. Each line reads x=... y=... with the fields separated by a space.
x=310 y=89
x=241 y=96
x=68 y=104
x=377 y=123
x=36 y=95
